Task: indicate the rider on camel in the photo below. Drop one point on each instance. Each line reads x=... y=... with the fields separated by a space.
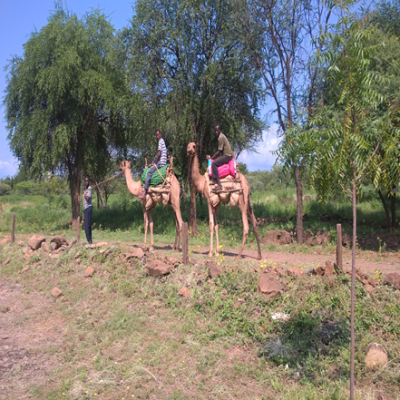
x=223 y=156
x=158 y=162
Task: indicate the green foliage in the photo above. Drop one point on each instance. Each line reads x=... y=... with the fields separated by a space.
x=4 y=189
x=187 y=63
x=64 y=98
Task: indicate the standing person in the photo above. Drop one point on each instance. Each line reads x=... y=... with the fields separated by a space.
x=159 y=161
x=87 y=210
x=223 y=156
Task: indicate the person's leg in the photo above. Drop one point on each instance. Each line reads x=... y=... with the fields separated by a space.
x=90 y=209
x=147 y=182
x=215 y=174
x=86 y=223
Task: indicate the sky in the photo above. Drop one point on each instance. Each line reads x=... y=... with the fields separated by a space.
x=19 y=18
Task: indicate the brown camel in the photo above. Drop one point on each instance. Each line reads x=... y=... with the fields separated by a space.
x=237 y=192
x=154 y=198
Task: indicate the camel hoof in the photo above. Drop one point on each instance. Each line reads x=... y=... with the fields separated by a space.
x=210 y=254
x=238 y=257
x=151 y=248
x=259 y=257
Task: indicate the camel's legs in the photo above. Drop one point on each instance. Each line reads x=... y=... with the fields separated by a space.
x=150 y=218
x=254 y=225
x=212 y=220
x=145 y=225
x=216 y=212
x=179 y=224
x=243 y=209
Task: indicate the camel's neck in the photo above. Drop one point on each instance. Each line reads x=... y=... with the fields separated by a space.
x=197 y=178
x=133 y=186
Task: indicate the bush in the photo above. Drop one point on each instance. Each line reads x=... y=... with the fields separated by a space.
x=4 y=189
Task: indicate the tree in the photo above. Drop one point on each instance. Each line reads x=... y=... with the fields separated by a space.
x=345 y=134
x=186 y=60
x=64 y=98
x=283 y=38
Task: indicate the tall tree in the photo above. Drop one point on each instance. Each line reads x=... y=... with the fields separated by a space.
x=283 y=38
x=64 y=98
x=186 y=60
x=343 y=139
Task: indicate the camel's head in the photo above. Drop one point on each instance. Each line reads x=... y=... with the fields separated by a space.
x=191 y=149
x=124 y=165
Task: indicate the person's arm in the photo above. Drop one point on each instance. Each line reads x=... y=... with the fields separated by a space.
x=157 y=159
x=87 y=198
x=216 y=155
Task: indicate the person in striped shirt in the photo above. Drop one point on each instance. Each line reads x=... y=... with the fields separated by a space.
x=160 y=160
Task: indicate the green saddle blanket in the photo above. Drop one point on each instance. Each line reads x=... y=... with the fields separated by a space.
x=156 y=179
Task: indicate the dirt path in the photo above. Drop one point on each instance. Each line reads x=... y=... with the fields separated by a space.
x=390 y=261
x=27 y=331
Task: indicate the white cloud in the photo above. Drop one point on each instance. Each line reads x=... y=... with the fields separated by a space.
x=262 y=159
x=8 y=168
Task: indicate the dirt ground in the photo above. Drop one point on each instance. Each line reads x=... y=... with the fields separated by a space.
x=27 y=334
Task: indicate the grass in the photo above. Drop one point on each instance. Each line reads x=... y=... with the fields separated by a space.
x=130 y=335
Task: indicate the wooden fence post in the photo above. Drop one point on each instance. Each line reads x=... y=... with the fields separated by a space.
x=185 y=243
x=13 y=228
x=339 y=258
x=78 y=229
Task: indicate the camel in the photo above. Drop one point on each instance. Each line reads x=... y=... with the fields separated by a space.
x=156 y=196
x=238 y=195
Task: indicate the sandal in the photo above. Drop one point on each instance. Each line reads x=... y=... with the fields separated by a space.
x=217 y=188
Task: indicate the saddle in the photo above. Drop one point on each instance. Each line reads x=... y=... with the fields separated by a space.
x=224 y=170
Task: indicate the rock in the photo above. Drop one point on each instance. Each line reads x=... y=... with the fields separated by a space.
x=59 y=240
x=393 y=279
x=60 y=250
x=25 y=249
x=214 y=272
x=72 y=241
x=55 y=292
x=173 y=261
x=6 y=261
x=138 y=253
x=294 y=271
x=27 y=256
x=369 y=288
x=78 y=261
x=24 y=269
x=268 y=286
x=36 y=241
x=184 y=292
x=4 y=240
x=319 y=271
x=101 y=244
x=90 y=246
x=375 y=355
x=45 y=246
x=157 y=268
x=89 y=272
x=54 y=255
x=21 y=243
x=77 y=254
x=53 y=246
x=329 y=269
x=279 y=270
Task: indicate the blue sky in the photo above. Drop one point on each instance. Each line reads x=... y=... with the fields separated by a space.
x=19 y=18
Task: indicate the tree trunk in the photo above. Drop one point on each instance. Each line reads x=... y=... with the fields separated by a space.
x=99 y=195
x=385 y=207
x=352 y=300
x=299 y=194
x=393 y=209
x=75 y=185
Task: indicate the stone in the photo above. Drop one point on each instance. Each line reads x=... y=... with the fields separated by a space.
x=90 y=246
x=173 y=261
x=101 y=244
x=25 y=269
x=89 y=272
x=329 y=269
x=214 y=272
x=268 y=286
x=138 y=253
x=369 y=288
x=184 y=292
x=6 y=261
x=36 y=241
x=294 y=271
x=72 y=241
x=21 y=243
x=393 y=279
x=319 y=271
x=60 y=250
x=54 y=255
x=53 y=246
x=279 y=270
x=55 y=292
x=375 y=355
x=157 y=268
x=4 y=240
x=77 y=254
x=78 y=261
x=25 y=249
x=59 y=240
x=45 y=246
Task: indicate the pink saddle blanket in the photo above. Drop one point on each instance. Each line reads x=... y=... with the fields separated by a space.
x=224 y=170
